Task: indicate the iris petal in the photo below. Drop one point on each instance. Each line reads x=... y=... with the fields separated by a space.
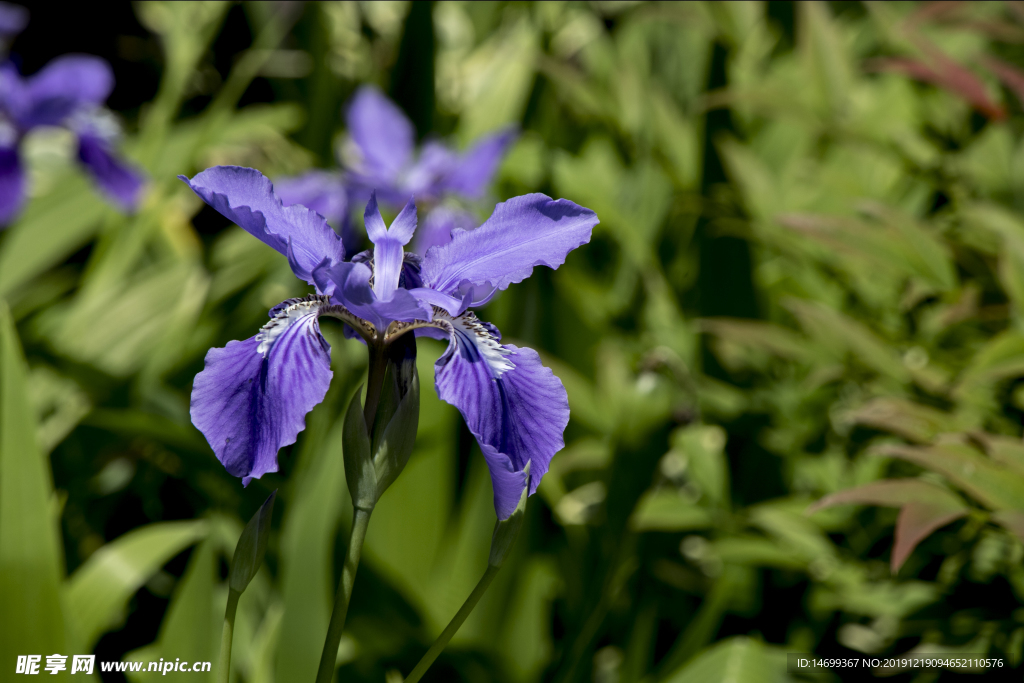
x=246 y=197
x=382 y=133
x=252 y=397
x=61 y=87
x=473 y=170
x=12 y=184
x=118 y=180
x=515 y=407
x=523 y=232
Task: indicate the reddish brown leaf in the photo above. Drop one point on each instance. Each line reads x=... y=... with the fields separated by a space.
x=1011 y=520
x=1011 y=76
x=946 y=73
x=893 y=493
x=915 y=523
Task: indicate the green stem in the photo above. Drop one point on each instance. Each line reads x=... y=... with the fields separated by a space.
x=453 y=625
x=224 y=670
x=325 y=674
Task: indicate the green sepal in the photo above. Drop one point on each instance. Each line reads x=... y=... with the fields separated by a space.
x=359 y=472
x=507 y=530
x=251 y=546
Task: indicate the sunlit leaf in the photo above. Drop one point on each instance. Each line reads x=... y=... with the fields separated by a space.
x=31 y=553
x=96 y=593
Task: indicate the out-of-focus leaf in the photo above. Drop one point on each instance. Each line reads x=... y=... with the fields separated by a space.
x=910 y=420
x=189 y=629
x=667 y=510
x=833 y=328
x=735 y=660
x=1011 y=520
x=96 y=593
x=768 y=337
x=499 y=77
x=310 y=524
x=825 y=57
x=924 y=508
x=1005 y=450
x=59 y=403
x=1001 y=357
x=31 y=557
x=526 y=639
x=702 y=449
x=51 y=228
x=991 y=484
x=758 y=552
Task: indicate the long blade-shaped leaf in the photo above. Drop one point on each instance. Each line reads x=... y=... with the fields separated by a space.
x=96 y=594
x=31 y=561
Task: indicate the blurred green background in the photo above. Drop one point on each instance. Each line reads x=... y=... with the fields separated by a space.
x=808 y=277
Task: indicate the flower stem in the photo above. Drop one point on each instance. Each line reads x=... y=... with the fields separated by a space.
x=453 y=625
x=224 y=670
x=325 y=674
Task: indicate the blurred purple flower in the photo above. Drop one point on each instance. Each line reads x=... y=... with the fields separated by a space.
x=381 y=157
x=68 y=92
x=13 y=20
x=252 y=396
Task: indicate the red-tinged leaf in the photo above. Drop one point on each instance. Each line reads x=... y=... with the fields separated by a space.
x=924 y=508
x=1011 y=520
x=893 y=493
x=910 y=420
x=1011 y=76
x=915 y=523
x=993 y=485
x=947 y=74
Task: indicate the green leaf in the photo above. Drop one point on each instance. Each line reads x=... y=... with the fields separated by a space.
x=991 y=484
x=910 y=420
x=308 y=530
x=736 y=660
x=51 y=228
x=252 y=546
x=189 y=630
x=96 y=593
x=359 y=473
x=667 y=510
x=31 y=555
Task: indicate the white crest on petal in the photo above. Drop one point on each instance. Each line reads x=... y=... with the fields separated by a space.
x=468 y=327
x=289 y=312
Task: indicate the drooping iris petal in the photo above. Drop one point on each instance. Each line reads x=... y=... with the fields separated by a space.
x=438 y=226
x=322 y=191
x=516 y=407
x=12 y=184
x=116 y=178
x=523 y=232
x=382 y=133
x=252 y=397
x=246 y=197
x=435 y=161
x=62 y=86
x=472 y=172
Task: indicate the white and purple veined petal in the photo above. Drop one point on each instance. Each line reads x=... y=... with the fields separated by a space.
x=523 y=232
x=246 y=197
x=515 y=407
x=252 y=397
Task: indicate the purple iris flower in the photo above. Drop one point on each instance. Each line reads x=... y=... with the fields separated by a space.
x=381 y=157
x=68 y=92
x=252 y=396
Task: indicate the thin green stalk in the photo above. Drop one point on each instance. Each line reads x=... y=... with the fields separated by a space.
x=224 y=670
x=453 y=626
x=325 y=674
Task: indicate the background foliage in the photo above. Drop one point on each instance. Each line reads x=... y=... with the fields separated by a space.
x=806 y=280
